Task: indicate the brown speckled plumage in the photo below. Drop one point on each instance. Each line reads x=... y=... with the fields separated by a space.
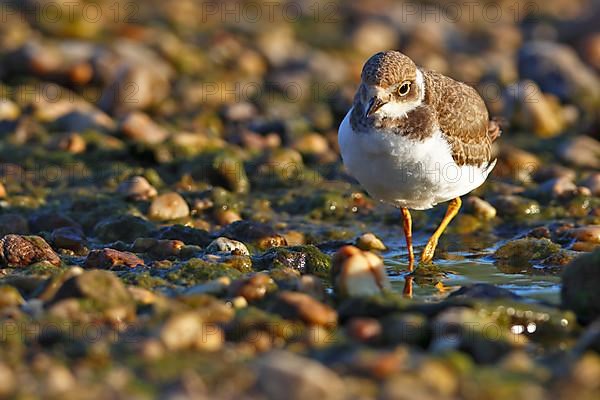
x=388 y=68
x=454 y=107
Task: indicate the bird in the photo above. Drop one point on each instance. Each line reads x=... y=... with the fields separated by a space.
x=415 y=138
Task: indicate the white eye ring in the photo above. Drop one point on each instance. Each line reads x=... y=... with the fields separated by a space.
x=404 y=88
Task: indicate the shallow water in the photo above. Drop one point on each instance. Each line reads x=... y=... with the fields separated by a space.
x=462 y=268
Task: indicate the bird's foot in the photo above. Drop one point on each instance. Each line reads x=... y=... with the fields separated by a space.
x=429 y=251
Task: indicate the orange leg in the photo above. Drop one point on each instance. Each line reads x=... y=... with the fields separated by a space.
x=429 y=250
x=407 y=226
x=408 y=287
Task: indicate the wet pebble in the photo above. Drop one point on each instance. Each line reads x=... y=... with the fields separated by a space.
x=512 y=206
x=358 y=273
x=69 y=238
x=102 y=288
x=580 y=282
x=369 y=242
x=295 y=305
x=227 y=217
x=47 y=222
x=139 y=127
x=588 y=234
x=558 y=70
x=262 y=235
x=480 y=208
x=189 y=331
x=123 y=227
x=253 y=288
x=517 y=163
x=21 y=251
x=364 y=329
x=9 y=111
x=72 y=143
x=137 y=188
x=226 y=245
x=168 y=206
x=525 y=252
x=303 y=259
x=287 y=375
x=110 y=258
x=593 y=183
x=581 y=151
x=8 y=381
x=13 y=223
x=557 y=188
x=10 y=297
x=312 y=144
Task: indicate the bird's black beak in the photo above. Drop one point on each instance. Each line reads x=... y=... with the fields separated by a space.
x=374 y=104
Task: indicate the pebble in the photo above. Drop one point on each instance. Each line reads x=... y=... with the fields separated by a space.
x=581 y=151
x=480 y=208
x=554 y=171
x=253 y=288
x=580 y=282
x=282 y=374
x=72 y=143
x=593 y=183
x=373 y=36
x=106 y=291
x=588 y=234
x=167 y=248
x=558 y=70
x=8 y=381
x=558 y=188
x=69 y=238
x=364 y=329
x=295 y=305
x=47 y=222
x=312 y=144
x=140 y=128
x=168 y=206
x=511 y=206
x=226 y=245
x=517 y=164
x=358 y=273
x=13 y=223
x=110 y=258
x=540 y=112
x=10 y=297
x=369 y=242
x=21 y=251
x=122 y=227
x=137 y=188
x=128 y=61
x=189 y=331
x=522 y=253
x=262 y=235
x=9 y=111
x=215 y=287
x=227 y=217
x=240 y=111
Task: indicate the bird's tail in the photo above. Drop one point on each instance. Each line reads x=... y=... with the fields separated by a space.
x=494 y=129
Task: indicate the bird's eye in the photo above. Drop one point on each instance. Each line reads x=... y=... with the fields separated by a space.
x=404 y=89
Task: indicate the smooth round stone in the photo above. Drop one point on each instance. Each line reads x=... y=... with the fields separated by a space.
x=480 y=207
x=168 y=206
x=226 y=245
x=137 y=188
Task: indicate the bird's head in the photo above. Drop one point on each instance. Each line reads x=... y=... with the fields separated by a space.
x=391 y=86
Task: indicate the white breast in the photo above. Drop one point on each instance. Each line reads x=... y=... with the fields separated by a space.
x=404 y=172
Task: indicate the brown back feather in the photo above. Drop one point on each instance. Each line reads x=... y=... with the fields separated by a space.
x=462 y=117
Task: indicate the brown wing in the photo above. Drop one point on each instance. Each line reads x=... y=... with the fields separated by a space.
x=462 y=117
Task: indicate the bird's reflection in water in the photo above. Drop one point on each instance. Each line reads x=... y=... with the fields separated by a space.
x=408 y=287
